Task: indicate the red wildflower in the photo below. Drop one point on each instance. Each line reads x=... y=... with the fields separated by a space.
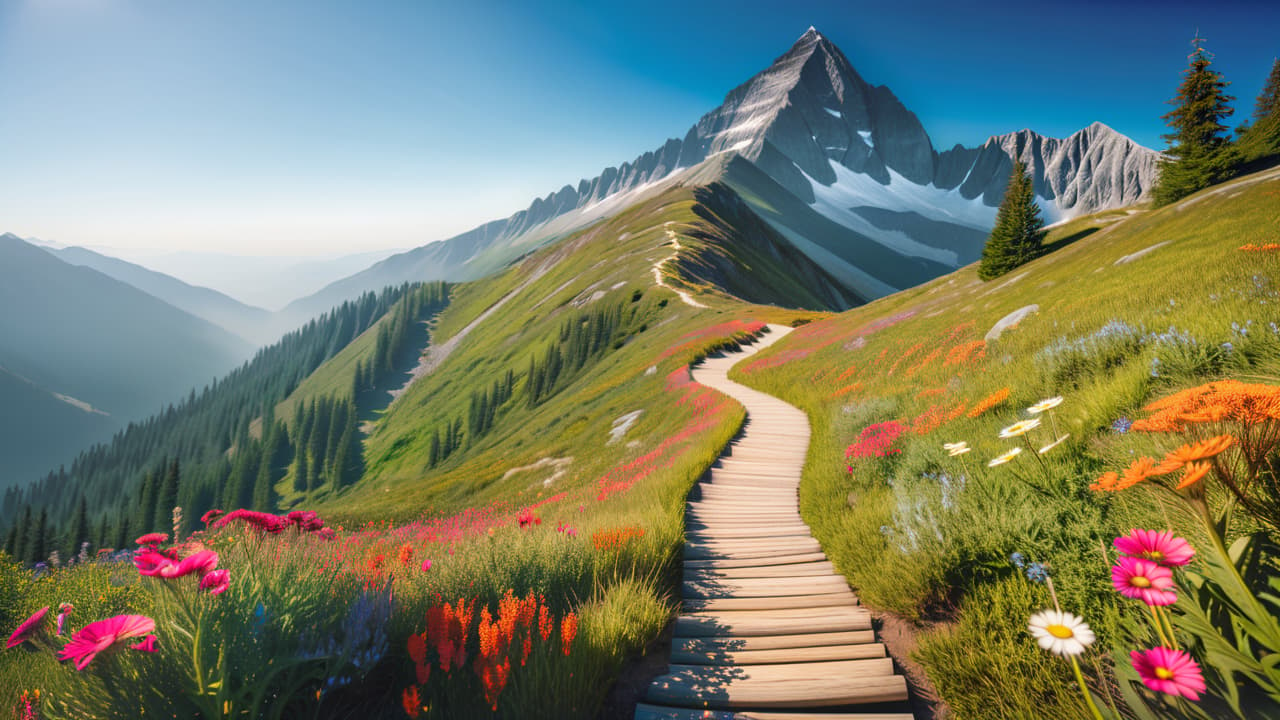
x=152 y=539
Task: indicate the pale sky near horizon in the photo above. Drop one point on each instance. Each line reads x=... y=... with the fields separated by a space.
x=298 y=127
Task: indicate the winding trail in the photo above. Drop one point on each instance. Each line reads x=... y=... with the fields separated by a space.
x=660 y=281
x=768 y=630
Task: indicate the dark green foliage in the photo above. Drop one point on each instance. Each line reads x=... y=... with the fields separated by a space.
x=1200 y=154
x=1019 y=231
x=38 y=537
x=200 y=431
x=1262 y=139
x=78 y=531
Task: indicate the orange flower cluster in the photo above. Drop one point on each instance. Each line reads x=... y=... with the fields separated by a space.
x=1216 y=402
x=1269 y=247
x=989 y=402
x=501 y=640
x=930 y=392
x=405 y=555
x=935 y=417
x=903 y=357
x=924 y=362
x=1194 y=460
x=966 y=353
x=855 y=387
x=607 y=540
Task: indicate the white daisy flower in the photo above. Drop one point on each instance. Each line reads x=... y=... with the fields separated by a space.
x=957 y=448
x=1061 y=633
x=1053 y=444
x=1022 y=427
x=1002 y=459
x=1046 y=404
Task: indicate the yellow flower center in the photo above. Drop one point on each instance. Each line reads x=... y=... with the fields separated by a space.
x=1139 y=581
x=1153 y=555
x=1164 y=673
x=1062 y=632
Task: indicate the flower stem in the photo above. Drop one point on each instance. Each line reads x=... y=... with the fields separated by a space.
x=1159 y=626
x=1084 y=689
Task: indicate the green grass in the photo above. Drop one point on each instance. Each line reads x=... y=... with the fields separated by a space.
x=1102 y=338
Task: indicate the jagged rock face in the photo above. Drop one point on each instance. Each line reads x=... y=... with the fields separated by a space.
x=1094 y=169
x=847 y=152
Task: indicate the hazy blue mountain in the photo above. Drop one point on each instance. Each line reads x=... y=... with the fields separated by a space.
x=78 y=333
x=251 y=323
x=40 y=430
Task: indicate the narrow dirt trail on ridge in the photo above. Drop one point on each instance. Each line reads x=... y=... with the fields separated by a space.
x=658 y=267
x=768 y=630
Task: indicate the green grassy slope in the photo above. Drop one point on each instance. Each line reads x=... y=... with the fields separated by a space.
x=609 y=265
x=1131 y=306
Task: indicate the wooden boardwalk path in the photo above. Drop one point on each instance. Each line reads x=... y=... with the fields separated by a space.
x=768 y=630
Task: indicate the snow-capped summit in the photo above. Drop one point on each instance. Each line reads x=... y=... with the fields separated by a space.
x=837 y=165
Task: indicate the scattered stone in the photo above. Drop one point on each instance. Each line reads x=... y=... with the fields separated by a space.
x=1010 y=321
x=1135 y=255
x=622 y=425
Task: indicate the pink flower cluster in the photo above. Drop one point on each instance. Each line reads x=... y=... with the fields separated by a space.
x=526 y=519
x=305 y=520
x=1144 y=572
x=93 y=639
x=876 y=441
x=166 y=564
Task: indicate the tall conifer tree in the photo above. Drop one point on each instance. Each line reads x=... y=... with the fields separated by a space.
x=1200 y=153
x=1019 y=232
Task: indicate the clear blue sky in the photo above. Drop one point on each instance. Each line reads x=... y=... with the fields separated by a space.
x=314 y=126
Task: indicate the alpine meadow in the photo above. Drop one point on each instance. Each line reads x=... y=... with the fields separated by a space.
x=796 y=415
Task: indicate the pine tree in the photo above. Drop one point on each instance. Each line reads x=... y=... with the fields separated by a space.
x=78 y=532
x=1269 y=99
x=146 y=511
x=1262 y=139
x=166 y=496
x=1019 y=230
x=38 y=538
x=23 y=535
x=1200 y=153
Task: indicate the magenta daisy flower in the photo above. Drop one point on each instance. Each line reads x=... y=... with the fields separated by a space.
x=1144 y=580
x=216 y=582
x=97 y=637
x=152 y=563
x=28 y=628
x=1160 y=547
x=152 y=539
x=201 y=562
x=1169 y=671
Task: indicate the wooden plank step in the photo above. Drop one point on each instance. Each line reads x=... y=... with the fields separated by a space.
x=763 y=587
x=761 y=530
x=788 y=602
x=806 y=685
x=755 y=562
x=778 y=656
x=772 y=622
x=647 y=711
x=821 y=567
x=772 y=642
x=721 y=553
x=753 y=543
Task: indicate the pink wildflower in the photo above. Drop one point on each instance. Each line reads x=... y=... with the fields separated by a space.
x=97 y=637
x=216 y=582
x=426 y=565
x=148 y=644
x=210 y=516
x=151 y=563
x=152 y=539
x=1158 y=547
x=1143 y=580
x=199 y=562
x=260 y=520
x=64 y=612
x=1169 y=671
x=28 y=628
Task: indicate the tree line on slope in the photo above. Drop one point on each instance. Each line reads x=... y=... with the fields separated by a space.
x=1200 y=154
x=583 y=339
x=223 y=447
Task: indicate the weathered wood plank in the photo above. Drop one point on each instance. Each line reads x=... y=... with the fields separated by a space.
x=777 y=656
x=768 y=603
x=772 y=622
x=646 y=711
x=809 y=685
x=755 y=562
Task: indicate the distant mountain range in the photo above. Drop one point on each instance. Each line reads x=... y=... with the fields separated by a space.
x=83 y=353
x=839 y=166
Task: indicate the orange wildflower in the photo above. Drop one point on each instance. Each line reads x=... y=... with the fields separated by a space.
x=989 y=402
x=546 y=625
x=1193 y=472
x=1138 y=471
x=568 y=631
x=847 y=389
x=1190 y=453
x=1107 y=481
x=412 y=701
